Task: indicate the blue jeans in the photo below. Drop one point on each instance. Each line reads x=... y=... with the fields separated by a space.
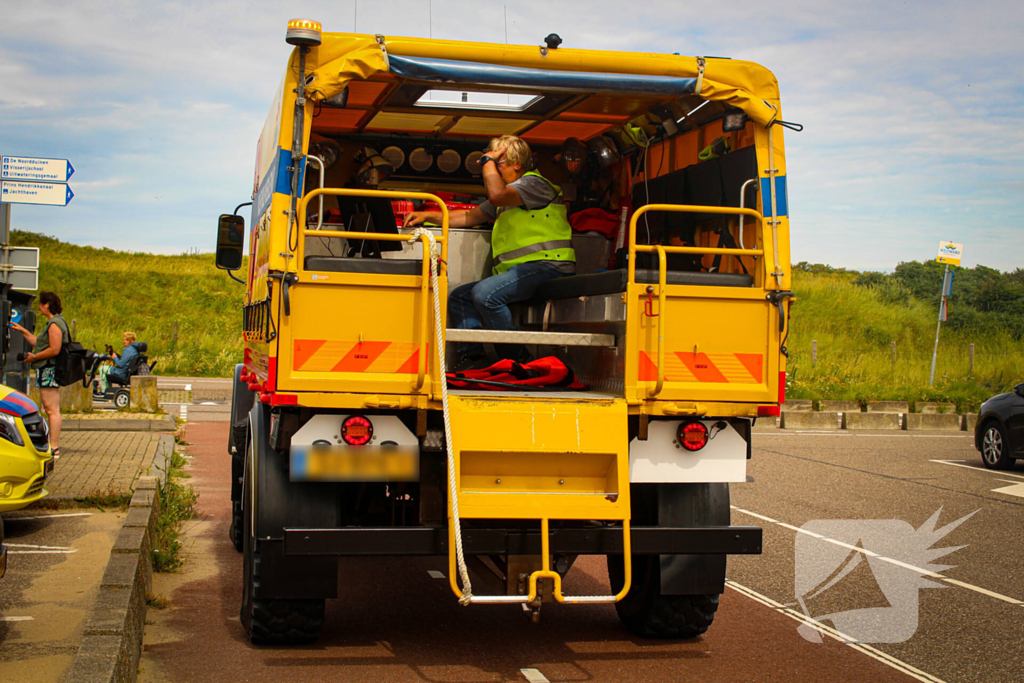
x=484 y=304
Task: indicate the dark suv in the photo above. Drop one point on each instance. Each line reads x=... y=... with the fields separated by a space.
x=999 y=434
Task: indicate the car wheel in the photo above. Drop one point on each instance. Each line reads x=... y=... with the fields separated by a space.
x=994 y=448
x=121 y=399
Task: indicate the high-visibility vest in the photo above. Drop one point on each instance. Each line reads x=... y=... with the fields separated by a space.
x=521 y=235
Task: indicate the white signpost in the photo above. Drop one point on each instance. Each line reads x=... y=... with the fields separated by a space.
x=949 y=253
x=33 y=168
x=46 y=194
x=28 y=180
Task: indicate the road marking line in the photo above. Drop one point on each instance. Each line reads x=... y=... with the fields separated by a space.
x=184 y=413
x=41 y=552
x=989 y=593
x=1016 y=488
x=434 y=574
x=869 y=553
x=886 y=659
x=533 y=675
x=62 y=514
x=188 y=387
x=959 y=463
x=17 y=618
x=39 y=547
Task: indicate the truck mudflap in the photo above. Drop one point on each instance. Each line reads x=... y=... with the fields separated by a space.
x=402 y=541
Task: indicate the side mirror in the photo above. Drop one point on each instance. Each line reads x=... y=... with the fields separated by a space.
x=230 y=242
x=1019 y=390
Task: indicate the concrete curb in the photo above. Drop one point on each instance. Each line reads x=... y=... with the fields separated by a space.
x=856 y=421
x=164 y=424
x=808 y=420
x=931 y=421
x=112 y=645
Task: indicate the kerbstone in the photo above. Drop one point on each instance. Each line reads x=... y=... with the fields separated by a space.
x=936 y=408
x=970 y=421
x=144 y=395
x=856 y=421
x=931 y=422
x=798 y=404
x=809 y=420
x=839 y=406
x=888 y=407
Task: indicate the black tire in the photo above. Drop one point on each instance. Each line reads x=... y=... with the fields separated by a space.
x=235 y=532
x=121 y=399
x=272 y=621
x=649 y=614
x=994 y=447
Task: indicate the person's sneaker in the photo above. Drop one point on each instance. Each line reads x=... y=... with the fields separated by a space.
x=472 y=363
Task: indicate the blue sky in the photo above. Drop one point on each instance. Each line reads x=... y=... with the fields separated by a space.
x=913 y=112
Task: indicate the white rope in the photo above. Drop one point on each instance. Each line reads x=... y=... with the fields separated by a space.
x=467 y=587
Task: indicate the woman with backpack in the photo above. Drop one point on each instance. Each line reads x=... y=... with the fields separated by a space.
x=43 y=360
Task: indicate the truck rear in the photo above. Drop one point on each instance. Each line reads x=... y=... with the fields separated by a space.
x=346 y=437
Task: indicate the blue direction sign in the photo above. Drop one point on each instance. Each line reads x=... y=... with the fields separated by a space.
x=49 y=194
x=34 y=168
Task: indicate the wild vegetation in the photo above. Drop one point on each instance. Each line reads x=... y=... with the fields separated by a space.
x=189 y=313
x=855 y=318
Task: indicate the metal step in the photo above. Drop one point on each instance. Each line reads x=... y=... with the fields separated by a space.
x=530 y=337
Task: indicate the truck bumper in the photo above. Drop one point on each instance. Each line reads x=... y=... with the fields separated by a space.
x=721 y=540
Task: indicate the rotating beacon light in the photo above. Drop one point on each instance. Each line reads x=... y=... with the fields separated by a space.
x=303 y=33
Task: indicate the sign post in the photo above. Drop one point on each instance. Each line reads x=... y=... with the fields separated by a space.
x=950 y=253
x=28 y=180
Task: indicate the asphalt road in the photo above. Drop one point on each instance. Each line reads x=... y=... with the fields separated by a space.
x=57 y=559
x=394 y=622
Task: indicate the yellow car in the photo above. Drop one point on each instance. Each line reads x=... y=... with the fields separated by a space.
x=25 y=458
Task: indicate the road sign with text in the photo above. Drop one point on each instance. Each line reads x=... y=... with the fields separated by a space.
x=47 y=194
x=35 y=168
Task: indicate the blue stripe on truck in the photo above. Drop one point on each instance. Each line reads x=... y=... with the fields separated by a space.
x=278 y=179
x=781 y=198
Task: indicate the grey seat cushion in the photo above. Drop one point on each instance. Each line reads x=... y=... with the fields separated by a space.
x=339 y=264
x=612 y=281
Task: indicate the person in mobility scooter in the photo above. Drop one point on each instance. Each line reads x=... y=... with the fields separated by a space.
x=112 y=380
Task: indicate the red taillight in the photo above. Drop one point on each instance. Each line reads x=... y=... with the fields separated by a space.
x=356 y=431
x=692 y=436
x=767 y=411
x=782 y=387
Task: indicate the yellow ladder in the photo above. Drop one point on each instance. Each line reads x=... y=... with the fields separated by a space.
x=540 y=457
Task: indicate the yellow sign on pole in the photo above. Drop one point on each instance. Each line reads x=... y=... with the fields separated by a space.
x=950 y=252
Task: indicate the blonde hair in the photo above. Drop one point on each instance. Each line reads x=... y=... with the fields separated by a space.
x=130 y=336
x=517 y=151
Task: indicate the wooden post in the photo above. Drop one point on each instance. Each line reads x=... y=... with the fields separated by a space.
x=814 y=352
x=174 y=338
x=74 y=324
x=970 y=365
x=893 y=351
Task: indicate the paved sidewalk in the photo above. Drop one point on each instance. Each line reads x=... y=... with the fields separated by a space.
x=105 y=463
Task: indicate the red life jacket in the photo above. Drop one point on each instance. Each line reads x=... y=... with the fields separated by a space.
x=543 y=372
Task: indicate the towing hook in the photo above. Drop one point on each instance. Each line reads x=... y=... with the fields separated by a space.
x=649 y=304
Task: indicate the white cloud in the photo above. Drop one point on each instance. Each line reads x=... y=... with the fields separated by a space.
x=913 y=112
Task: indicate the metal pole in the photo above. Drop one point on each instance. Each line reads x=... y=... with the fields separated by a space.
x=814 y=352
x=5 y=238
x=938 y=327
x=893 y=348
x=970 y=370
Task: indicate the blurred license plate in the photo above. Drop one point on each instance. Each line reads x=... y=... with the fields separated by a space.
x=48 y=468
x=364 y=463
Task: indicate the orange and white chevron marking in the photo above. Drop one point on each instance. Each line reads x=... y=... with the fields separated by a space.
x=321 y=355
x=722 y=368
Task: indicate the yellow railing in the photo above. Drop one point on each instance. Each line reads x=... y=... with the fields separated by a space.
x=303 y=231
x=633 y=303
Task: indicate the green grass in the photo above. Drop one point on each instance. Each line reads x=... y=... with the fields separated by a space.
x=177 y=504
x=855 y=325
x=108 y=292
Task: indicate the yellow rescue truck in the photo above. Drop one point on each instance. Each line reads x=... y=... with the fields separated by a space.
x=347 y=439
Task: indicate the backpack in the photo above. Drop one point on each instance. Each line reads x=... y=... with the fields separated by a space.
x=69 y=363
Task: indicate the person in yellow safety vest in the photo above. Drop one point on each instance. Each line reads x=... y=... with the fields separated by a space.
x=531 y=243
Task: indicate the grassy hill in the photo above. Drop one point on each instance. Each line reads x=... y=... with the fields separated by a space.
x=107 y=292
x=853 y=316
